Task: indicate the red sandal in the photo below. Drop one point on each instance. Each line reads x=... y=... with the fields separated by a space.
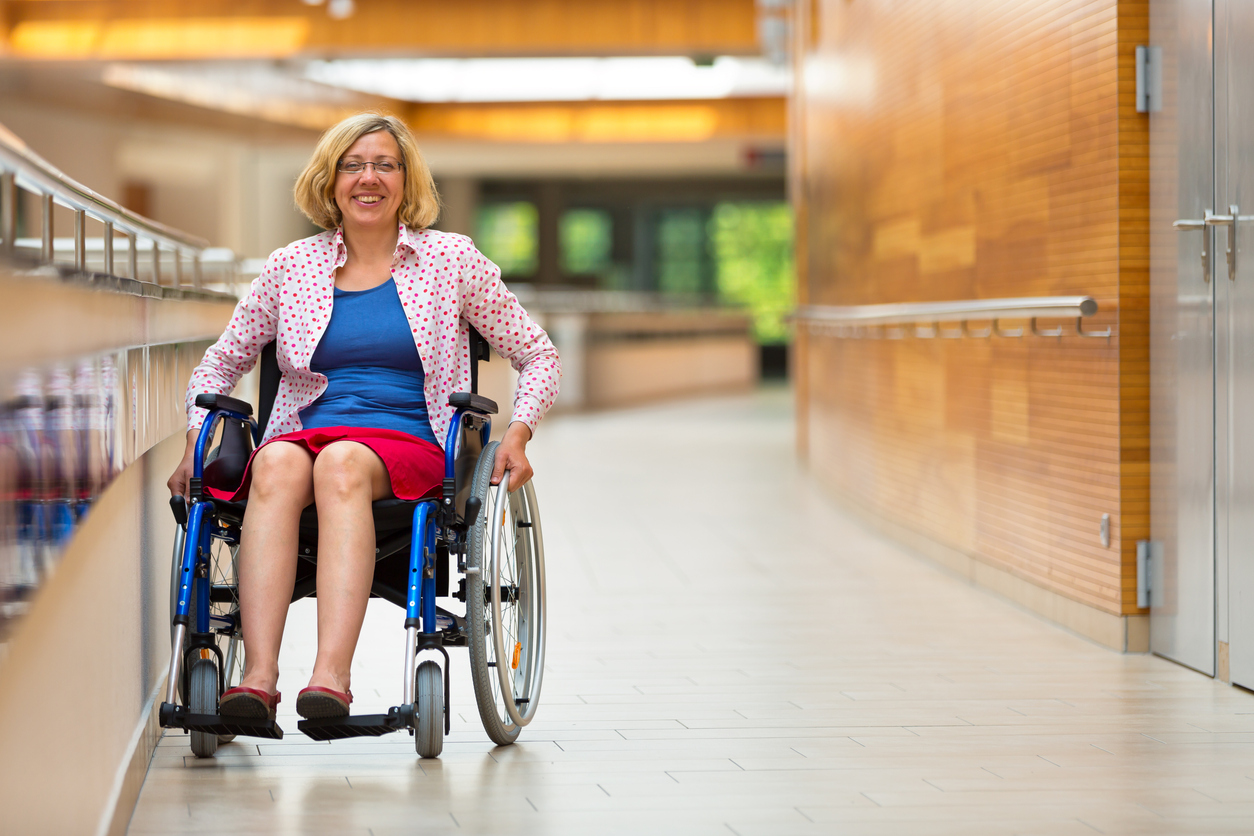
x=316 y=703
x=251 y=703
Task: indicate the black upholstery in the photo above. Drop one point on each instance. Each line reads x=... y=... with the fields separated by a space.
x=470 y=400
x=268 y=385
x=209 y=401
x=226 y=469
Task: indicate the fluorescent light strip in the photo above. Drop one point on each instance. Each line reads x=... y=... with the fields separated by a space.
x=554 y=79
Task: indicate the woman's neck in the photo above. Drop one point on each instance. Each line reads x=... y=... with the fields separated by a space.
x=369 y=261
x=370 y=244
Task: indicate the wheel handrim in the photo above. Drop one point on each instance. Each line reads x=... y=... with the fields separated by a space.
x=518 y=640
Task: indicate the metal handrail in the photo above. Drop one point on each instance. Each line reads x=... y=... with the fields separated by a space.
x=20 y=167
x=854 y=319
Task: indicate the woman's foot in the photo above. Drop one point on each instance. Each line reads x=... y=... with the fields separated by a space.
x=248 y=703
x=317 y=702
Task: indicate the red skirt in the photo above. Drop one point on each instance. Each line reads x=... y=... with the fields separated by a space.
x=415 y=467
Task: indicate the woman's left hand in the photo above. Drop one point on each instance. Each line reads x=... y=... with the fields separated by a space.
x=512 y=456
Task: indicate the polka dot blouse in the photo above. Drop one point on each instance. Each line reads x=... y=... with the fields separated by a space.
x=445 y=286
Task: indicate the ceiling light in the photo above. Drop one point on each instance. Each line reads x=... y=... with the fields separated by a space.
x=340 y=9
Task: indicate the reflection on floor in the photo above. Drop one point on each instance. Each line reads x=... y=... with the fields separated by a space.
x=729 y=654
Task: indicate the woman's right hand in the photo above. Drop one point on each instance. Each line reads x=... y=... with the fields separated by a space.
x=182 y=475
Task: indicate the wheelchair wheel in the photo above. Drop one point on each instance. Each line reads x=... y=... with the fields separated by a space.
x=223 y=614
x=505 y=606
x=202 y=698
x=429 y=691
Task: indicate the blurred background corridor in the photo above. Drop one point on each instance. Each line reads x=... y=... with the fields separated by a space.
x=906 y=347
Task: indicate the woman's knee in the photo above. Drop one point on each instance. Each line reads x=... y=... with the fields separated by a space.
x=281 y=470
x=343 y=471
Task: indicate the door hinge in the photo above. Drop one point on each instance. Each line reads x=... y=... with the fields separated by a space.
x=1149 y=79
x=1148 y=556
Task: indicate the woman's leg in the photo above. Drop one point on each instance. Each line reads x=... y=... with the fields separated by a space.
x=347 y=477
x=282 y=485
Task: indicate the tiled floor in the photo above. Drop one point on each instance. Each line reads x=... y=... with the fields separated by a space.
x=730 y=654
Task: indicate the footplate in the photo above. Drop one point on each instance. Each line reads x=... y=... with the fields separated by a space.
x=361 y=725
x=178 y=717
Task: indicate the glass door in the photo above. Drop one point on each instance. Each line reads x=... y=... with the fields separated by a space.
x=1234 y=319
x=1182 y=337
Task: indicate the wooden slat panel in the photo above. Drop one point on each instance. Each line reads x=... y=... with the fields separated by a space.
x=380 y=28
x=963 y=149
x=674 y=121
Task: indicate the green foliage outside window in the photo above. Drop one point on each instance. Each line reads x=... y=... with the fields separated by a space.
x=682 y=253
x=586 y=237
x=752 y=244
x=743 y=250
x=508 y=234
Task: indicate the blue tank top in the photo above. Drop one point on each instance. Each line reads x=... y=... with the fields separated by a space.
x=374 y=373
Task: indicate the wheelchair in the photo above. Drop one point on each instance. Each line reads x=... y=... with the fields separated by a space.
x=492 y=539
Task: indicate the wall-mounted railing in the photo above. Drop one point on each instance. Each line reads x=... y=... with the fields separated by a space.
x=170 y=257
x=928 y=319
x=81 y=357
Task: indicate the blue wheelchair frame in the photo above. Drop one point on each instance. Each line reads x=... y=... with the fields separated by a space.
x=433 y=519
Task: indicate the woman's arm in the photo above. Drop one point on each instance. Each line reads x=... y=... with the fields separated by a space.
x=496 y=314
x=252 y=326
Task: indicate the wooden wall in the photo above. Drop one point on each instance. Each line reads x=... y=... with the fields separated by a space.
x=664 y=121
x=964 y=149
x=379 y=28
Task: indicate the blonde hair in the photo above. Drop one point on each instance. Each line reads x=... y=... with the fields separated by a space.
x=315 y=188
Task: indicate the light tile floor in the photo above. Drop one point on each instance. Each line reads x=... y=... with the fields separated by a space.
x=730 y=654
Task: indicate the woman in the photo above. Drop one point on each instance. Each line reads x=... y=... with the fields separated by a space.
x=371 y=323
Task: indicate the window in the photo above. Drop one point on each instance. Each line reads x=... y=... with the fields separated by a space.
x=752 y=244
x=507 y=233
x=683 y=262
x=586 y=239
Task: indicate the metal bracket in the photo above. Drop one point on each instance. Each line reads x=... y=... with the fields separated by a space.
x=1080 y=332
x=1046 y=332
x=999 y=331
x=1146 y=552
x=1149 y=79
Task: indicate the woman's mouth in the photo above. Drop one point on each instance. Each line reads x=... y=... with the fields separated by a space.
x=368 y=199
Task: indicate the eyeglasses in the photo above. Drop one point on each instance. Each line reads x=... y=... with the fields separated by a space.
x=381 y=167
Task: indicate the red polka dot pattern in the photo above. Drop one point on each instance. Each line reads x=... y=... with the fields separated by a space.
x=445 y=285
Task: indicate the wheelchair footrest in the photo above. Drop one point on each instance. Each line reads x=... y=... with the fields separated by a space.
x=178 y=717
x=361 y=725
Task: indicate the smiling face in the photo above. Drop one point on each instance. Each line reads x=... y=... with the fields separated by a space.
x=370 y=199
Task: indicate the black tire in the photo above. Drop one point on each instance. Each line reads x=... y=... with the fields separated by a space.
x=221 y=574
x=202 y=698
x=429 y=692
x=496 y=721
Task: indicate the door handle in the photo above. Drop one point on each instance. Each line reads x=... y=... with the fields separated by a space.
x=1194 y=224
x=1230 y=221
x=1211 y=219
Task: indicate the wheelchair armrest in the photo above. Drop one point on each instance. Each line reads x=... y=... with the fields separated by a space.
x=475 y=403
x=211 y=401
